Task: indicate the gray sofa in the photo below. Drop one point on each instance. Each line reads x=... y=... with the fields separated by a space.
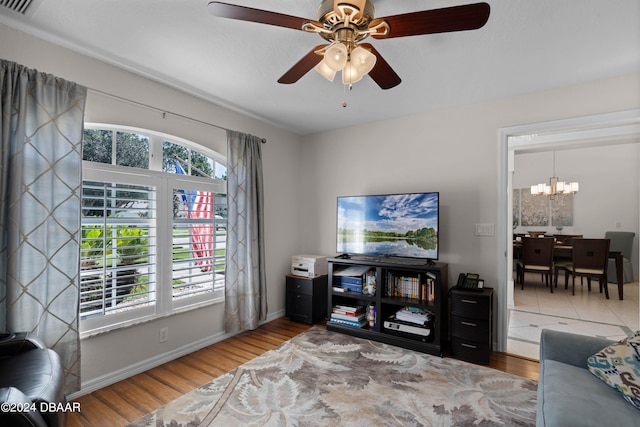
x=569 y=394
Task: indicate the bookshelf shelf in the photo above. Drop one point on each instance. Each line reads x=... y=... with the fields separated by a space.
x=403 y=285
x=406 y=301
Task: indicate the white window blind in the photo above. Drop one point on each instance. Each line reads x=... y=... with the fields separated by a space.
x=199 y=243
x=118 y=248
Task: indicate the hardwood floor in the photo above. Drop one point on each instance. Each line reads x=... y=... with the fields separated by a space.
x=130 y=399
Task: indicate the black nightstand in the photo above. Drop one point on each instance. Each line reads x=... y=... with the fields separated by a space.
x=306 y=298
x=472 y=325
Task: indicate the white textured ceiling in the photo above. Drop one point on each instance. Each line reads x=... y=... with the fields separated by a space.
x=527 y=45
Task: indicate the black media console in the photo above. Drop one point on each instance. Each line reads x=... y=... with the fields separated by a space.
x=412 y=286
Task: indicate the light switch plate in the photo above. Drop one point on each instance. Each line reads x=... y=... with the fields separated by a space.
x=485 y=230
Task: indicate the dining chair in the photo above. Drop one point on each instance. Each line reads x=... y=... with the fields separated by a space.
x=565 y=239
x=537 y=257
x=561 y=262
x=589 y=259
x=621 y=241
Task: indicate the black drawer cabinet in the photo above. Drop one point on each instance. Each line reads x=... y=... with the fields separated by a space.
x=472 y=325
x=306 y=298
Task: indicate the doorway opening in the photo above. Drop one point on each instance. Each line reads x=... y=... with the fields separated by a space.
x=573 y=140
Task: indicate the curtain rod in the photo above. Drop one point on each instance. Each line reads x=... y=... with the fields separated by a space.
x=164 y=112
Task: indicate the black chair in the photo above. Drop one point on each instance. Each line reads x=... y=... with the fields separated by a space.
x=560 y=263
x=537 y=257
x=31 y=377
x=566 y=239
x=590 y=258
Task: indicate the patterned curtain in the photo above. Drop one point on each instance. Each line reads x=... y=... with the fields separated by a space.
x=245 y=287
x=40 y=179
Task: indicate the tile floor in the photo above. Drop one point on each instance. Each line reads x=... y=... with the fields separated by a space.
x=588 y=313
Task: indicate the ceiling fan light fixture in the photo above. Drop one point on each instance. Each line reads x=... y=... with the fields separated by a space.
x=336 y=56
x=363 y=60
x=325 y=71
x=351 y=74
x=346 y=23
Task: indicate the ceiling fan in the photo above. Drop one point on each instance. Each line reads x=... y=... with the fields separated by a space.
x=345 y=23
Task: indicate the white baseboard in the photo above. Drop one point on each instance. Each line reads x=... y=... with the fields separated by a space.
x=144 y=365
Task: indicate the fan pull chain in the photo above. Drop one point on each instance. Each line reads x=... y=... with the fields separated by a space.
x=344 y=103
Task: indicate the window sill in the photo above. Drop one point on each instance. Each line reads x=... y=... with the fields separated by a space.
x=146 y=319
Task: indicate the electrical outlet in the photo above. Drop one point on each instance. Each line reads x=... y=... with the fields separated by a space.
x=618 y=224
x=164 y=334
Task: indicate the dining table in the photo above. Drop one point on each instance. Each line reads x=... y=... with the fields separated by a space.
x=564 y=251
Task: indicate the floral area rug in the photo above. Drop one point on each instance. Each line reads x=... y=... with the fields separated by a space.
x=323 y=378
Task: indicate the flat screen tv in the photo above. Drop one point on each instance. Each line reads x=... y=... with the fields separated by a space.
x=390 y=225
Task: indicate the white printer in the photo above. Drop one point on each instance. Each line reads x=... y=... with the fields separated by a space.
x=308 y=265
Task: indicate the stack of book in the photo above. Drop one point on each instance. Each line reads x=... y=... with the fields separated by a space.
x=347 y=315
x=410 y=322
x=413 y=286
x=353 y=279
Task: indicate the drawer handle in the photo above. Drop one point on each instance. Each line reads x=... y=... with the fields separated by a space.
x=469 y=324
x=298 y=286
x=469 y=301
x=468 y=345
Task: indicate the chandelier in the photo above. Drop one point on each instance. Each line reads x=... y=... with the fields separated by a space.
x=555 y=186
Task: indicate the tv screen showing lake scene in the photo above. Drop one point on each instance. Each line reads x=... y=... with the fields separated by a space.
x=401 y=225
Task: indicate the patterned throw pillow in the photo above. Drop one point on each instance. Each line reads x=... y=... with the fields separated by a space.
x=619 y=366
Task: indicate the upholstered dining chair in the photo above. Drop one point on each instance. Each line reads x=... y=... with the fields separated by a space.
x=566 y=239
x=621 y=241
x=537 y=257
x=589 y=259
x=561 y=262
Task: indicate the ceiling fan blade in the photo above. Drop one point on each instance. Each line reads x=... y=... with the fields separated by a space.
x=448 y=19
x=303 y=66
x=382 y=73
x=243 y=13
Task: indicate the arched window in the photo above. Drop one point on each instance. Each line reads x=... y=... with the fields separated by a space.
x=153 y=226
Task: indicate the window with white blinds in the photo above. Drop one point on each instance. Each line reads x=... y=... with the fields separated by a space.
x=118 y=248
x=199 y=243
x=153 y=241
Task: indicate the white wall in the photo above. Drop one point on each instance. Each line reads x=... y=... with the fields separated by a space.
x=452 y=151
x=609 y=187
x=113 y=355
